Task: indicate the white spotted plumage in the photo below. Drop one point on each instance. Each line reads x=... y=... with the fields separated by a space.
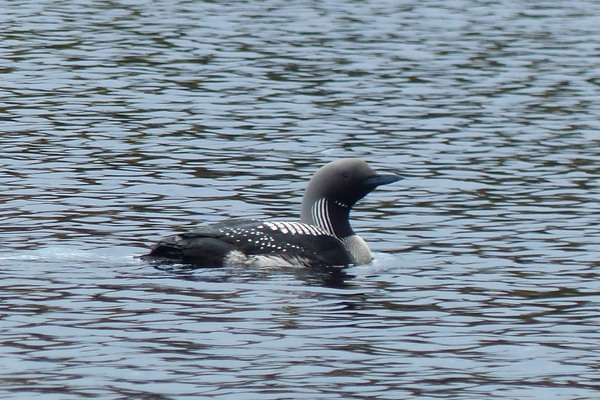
x=295 y=228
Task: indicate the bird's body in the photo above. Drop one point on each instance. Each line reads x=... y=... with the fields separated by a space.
x=254 y=242
x=324 y=236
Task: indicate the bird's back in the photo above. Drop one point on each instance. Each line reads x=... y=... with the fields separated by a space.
x=253 y=242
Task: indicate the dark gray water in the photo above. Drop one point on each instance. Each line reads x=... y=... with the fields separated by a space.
x=121 y=122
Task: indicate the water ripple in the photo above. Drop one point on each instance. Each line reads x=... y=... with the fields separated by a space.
x=125 y=122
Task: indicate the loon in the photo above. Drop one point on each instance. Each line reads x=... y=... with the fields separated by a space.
x=322 y=238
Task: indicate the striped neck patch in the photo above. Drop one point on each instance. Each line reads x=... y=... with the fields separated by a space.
x=320 y=215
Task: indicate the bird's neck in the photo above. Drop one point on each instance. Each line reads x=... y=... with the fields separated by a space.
x=329 y=215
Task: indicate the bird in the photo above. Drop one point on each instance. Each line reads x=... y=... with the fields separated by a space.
x=322 y=238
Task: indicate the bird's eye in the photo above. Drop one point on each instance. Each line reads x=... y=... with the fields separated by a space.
x=346 y=175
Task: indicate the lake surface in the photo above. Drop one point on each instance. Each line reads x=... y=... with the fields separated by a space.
x=122 y=122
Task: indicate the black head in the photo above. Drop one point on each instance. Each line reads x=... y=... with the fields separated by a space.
x=342 y=183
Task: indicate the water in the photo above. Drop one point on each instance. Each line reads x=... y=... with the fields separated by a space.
x=123 y=122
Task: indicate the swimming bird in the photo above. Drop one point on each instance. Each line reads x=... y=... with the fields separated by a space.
x=322 y=238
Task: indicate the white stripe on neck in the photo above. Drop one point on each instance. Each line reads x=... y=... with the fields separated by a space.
x=320 y=214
